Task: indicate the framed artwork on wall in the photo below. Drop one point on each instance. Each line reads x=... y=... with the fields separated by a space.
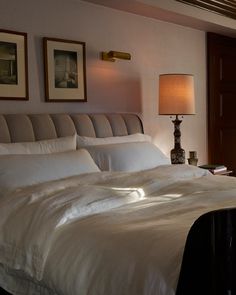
x=13 y=65
x=65 y=70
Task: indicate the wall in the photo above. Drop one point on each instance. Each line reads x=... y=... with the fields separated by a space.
x=124 y=86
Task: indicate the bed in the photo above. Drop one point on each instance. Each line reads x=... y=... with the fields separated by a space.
x=78 y=232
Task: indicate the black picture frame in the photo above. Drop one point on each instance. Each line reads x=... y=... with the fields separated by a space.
x=65 y=70
x=13 y=65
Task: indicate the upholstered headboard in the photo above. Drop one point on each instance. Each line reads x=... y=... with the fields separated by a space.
x=21 y=128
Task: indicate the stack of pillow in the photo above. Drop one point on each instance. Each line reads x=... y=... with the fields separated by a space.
x=123 y=153
x=28 y=163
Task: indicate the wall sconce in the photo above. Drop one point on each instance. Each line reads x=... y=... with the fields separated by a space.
x=113 y=55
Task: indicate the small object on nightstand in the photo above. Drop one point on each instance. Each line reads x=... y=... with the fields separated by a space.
x=217 y=169
x=192 y=160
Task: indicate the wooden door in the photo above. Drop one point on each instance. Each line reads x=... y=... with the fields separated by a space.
x=221 y=56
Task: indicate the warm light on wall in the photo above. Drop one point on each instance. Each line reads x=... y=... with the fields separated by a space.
x=113 y=55
x=176 y=97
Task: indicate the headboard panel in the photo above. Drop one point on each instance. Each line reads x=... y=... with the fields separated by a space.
x=21 y=128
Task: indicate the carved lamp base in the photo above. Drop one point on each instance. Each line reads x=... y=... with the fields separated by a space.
x=177 y=156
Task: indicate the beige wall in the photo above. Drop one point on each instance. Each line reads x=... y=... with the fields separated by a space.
x=125 y=86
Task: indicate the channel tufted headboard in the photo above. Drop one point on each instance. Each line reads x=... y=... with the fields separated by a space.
x=33 y=127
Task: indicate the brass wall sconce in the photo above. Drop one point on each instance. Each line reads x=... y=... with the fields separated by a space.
x=113 y=55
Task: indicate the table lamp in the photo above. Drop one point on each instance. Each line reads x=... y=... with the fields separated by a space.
x=176 y=97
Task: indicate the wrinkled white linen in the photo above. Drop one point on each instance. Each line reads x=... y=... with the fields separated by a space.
x=107 y=233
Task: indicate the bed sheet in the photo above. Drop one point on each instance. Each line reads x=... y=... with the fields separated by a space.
x=105 y=233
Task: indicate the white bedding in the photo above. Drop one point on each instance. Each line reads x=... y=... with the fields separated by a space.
x=105 y=233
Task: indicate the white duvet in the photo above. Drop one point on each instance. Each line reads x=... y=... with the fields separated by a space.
x=105 y=233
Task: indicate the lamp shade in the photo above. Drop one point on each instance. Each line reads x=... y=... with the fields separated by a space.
x=176 y=94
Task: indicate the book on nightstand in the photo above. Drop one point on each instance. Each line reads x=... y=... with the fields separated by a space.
x=214 y=168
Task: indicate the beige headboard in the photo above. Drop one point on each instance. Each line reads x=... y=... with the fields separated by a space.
x=21 y=128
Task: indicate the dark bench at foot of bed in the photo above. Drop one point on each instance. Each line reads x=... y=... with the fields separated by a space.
x=3 y=292
x=209 y=260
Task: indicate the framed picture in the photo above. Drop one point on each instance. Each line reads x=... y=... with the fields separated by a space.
x=13 y=65
x=65 y=71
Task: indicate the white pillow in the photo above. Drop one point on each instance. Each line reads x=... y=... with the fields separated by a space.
x=23 y=170
x=83 y=141
x=127 y=156
x=57 y=145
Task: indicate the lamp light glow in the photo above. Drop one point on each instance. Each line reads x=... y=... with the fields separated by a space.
x=176 y=94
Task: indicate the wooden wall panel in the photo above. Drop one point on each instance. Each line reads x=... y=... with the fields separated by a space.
x=224 y=7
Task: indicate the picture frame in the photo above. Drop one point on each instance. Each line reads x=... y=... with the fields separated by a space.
x=65 y=70
x=13 y=65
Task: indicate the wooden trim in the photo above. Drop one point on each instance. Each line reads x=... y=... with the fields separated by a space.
x=224 y=7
